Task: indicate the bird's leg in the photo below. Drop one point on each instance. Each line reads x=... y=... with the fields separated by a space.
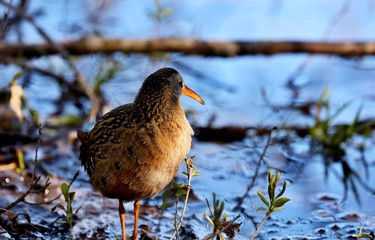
x=122 y=213
x=136 y=214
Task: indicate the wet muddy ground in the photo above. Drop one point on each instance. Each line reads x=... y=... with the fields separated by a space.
x=320 y=206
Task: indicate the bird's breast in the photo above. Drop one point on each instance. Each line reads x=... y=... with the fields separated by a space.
x=170 y=147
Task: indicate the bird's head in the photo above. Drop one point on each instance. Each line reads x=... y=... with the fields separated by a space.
x=167 y=83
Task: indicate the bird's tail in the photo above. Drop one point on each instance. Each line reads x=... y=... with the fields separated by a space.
x=84 y=155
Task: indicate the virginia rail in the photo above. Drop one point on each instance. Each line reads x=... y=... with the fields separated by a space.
x=135 y=150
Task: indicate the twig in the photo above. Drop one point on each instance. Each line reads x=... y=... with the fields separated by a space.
x=34 y=178
x=175 y=224
x=55 y=198
x=260 y=225
x=190 y=168
x=229 y=224
x=8 y=21
x=21 y=198
x=7 y=59
x=5 y=210
x=335 y=19
x=79 y=78
x=257 y=168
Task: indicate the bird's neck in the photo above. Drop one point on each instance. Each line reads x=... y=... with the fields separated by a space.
x=157 y=106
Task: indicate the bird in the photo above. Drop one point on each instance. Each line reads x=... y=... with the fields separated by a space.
x=134 y=150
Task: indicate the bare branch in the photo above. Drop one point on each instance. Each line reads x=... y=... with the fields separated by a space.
x=6 y=59
x=327 y=33
x=59 y=48
x=91 y=45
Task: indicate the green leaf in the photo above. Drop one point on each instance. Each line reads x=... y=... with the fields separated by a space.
x=108 y=69
x=71 y=195
x=270 y=177
x=323 y=97
x=59 y=205
x=263 y=199
x=224 y=217
x=209 y=219
x=282 y=190
x=280 y=202
x=177 y=186
x=274 y=184
x=221 y=236
x=353 y=127
x=340 y=110
x=165 y=204
x=365 y=235
x=180 y=192
x=65 y=190
x=169 y=204
x=68 y=120
x=271 y=190
x=277 y=177
x=218 y=209
x=62 y=222
x=276 y=209
x=196 y=173
x=261 y=209
x=75 y=213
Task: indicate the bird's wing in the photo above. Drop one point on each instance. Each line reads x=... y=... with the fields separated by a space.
x=96 y=145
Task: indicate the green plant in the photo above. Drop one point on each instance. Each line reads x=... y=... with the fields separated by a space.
x=160 y=12
x=70 y=214
x=166 y=196
x=362 y=235
x=331 y=141
x=329 y=137
x=275 y=202
x=180 y=190
x=219 y=221
x=108 y=69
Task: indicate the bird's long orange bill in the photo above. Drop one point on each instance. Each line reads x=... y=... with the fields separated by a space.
x=190 y=93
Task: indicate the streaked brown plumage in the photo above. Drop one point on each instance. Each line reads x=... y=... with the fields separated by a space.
x=135 y=150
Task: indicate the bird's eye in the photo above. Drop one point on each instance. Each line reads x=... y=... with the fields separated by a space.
x=180 y=83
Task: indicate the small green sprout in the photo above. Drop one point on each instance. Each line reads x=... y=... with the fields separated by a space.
x=329 y=137
x=275 y=202
x=216 y=214
x=219 y=221
x=108 y=70
x=180 y=190
x=68 y=209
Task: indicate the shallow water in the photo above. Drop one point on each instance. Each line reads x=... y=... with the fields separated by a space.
x=320 y=206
